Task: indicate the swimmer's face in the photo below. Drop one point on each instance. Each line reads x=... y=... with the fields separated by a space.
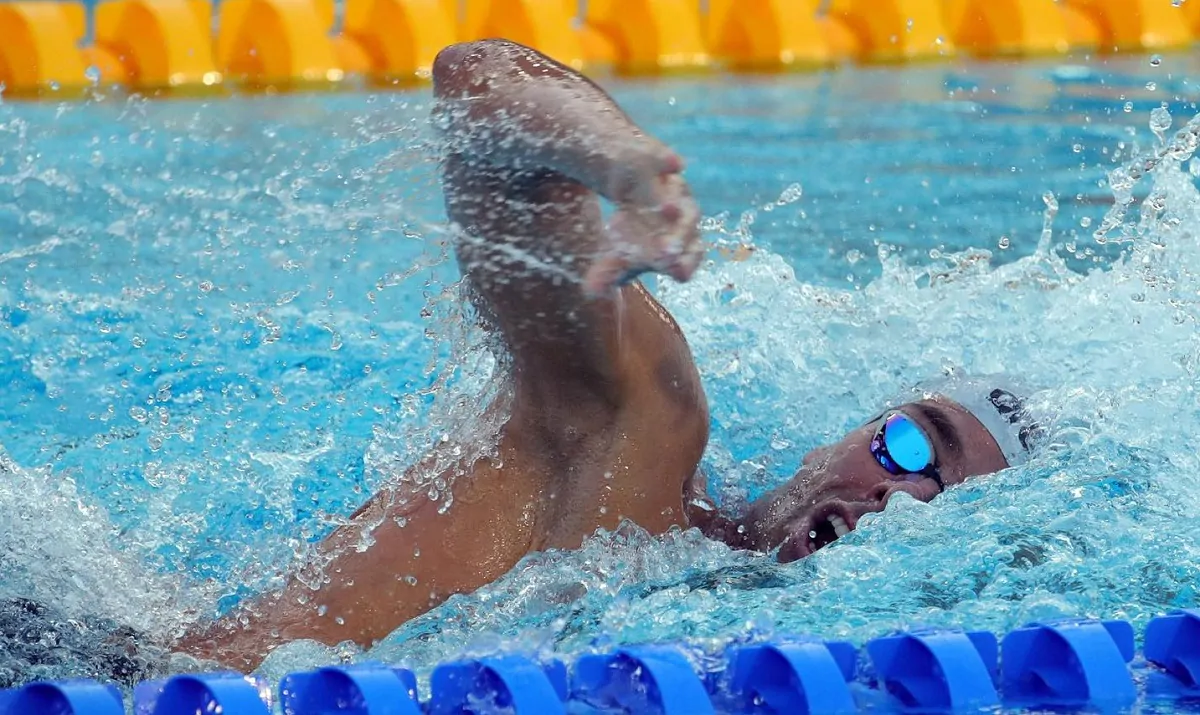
x=840 y=483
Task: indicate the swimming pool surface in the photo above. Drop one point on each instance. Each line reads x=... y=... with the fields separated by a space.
x=224 y=323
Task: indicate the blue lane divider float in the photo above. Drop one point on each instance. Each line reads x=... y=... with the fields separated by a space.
x=370 y=689
x=1173 y=644
x=801 y=677
x=1066 y=665
x=1072 y=664
x=641 y=679
x=507 y=683
x=935 y=671
x=227 y=693
x=69 y=697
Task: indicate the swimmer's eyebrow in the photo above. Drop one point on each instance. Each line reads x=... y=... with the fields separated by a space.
x=947 y=432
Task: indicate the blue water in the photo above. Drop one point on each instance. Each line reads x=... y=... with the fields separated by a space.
x=225 y=323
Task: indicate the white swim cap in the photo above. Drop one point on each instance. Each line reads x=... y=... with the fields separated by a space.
x=998 y=402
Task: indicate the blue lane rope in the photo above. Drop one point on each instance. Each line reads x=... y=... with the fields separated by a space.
x=1062 y=665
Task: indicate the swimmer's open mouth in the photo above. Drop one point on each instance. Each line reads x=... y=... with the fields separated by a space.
x=825 y=526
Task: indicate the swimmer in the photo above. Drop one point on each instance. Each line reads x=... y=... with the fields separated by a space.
x=608 y=419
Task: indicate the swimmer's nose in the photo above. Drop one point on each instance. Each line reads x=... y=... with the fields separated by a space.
x=917 y=490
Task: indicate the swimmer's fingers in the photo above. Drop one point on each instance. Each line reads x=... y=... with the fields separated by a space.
x=642 y=175
x=662 y=239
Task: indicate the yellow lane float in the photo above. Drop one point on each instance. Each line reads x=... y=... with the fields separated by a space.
x=542 y=24
x=272 y=43
x=398 y=38
x=1136 y=24
x=158 y=44
x=1008 y=27
x=766 y=34
x=39 y=47
x=650 y=35
x=893 y=30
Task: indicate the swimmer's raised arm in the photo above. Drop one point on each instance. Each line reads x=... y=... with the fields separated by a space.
x=501 y=104
x=608 y=419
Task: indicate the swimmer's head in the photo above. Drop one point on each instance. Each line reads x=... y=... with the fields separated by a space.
x=935 y=435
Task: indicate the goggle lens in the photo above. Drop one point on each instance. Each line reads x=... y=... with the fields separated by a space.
x=906 y=443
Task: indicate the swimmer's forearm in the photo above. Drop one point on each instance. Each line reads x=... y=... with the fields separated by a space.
x=512 y=114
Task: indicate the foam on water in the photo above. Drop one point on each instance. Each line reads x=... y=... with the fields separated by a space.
x=222 y=330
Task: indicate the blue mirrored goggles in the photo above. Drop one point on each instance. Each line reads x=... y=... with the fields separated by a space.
x=903 y=449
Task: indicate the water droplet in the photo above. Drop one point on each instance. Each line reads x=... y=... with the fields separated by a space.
x=93 y=74
x=1003 y=242
x=1151 y=86
x=909 y=24
x=1160 y=121
x=206 y=286
x=1077 y=148
x=1128 y=107
x=1085 y=221
x=139 y=414
x=791 y=194
x=322 y=609
x=1051 y=202
x=54 y=86
x=139 y=341
x=1155 y=60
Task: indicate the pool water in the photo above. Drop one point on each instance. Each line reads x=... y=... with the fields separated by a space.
x=225 y=323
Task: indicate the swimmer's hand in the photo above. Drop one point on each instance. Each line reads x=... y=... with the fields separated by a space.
x=655 y=229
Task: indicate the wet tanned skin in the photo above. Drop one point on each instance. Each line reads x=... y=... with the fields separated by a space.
x=608 y=419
